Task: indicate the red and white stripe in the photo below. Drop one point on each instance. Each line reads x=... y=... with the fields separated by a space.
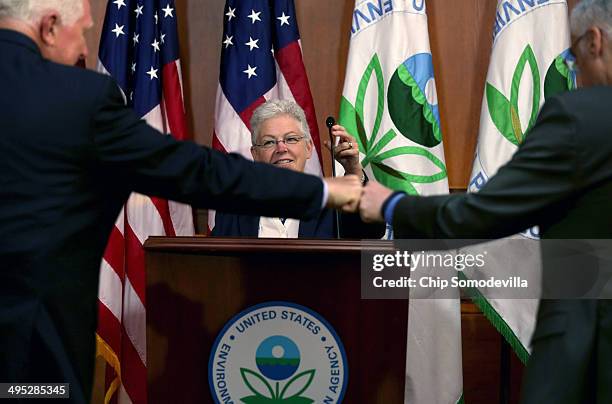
x=122 y=297
x=232 y=129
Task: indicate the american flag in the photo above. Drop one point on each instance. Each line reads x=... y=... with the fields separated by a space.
x=139 y=49
x=261 y=58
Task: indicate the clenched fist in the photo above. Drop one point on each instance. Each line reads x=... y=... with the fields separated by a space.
x=344 y=193
x=372 y=199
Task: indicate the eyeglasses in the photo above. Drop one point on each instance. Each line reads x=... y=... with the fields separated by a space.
x=570 y=61
x=269 y=143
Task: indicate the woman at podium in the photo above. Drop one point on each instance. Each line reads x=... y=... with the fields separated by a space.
x=280 y=136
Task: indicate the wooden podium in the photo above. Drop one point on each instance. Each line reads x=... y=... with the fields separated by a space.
x=195 y=285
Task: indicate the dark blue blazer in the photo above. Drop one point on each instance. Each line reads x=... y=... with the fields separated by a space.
x=71 y=153
x=351 y=226
x=231 y=225
x=560 y=179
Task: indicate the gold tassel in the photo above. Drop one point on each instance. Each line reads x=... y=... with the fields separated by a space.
x=106 y=352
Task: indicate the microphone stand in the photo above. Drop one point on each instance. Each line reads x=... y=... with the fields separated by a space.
x=329 y=122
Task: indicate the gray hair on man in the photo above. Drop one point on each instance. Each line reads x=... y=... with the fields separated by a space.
x=32 y=10
x=591 y=12
x=272 y=109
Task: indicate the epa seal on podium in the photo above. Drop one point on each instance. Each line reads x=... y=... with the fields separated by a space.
x=277 y=352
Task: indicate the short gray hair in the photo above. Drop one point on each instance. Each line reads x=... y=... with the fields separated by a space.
x=591 y=12
x=272 y=109
x=32 y=10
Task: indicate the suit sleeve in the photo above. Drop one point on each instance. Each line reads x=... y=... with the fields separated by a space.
x=542 y=176
x=146 y=161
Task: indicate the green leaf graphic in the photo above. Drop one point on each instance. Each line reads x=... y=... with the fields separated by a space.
x=373 y=67
x=410 y=111
x=505 y=114
x=392 y=178
x=352 y=118
x=499 y=109
x=385 y=140
x=419 y=151
x=527 y=57
x=308 y=375
x=353 y=123
x=247 y=372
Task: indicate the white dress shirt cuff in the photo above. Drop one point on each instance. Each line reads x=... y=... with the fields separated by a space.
x=325 y=194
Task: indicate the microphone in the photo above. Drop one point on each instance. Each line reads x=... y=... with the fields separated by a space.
x=329 y=122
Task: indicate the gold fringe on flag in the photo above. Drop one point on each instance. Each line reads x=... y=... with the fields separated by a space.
x=106 y=352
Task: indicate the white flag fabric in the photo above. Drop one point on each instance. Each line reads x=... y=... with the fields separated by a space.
x=530 y=47
x=390 y=105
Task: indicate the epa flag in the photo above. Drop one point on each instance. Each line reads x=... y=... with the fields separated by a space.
x=261 y=59
x=528 y=65
x=139 y=48
x=390 y=104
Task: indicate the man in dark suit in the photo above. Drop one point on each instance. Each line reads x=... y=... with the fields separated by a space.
x=561 y=180
x=280 y=136
x=70 y=154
